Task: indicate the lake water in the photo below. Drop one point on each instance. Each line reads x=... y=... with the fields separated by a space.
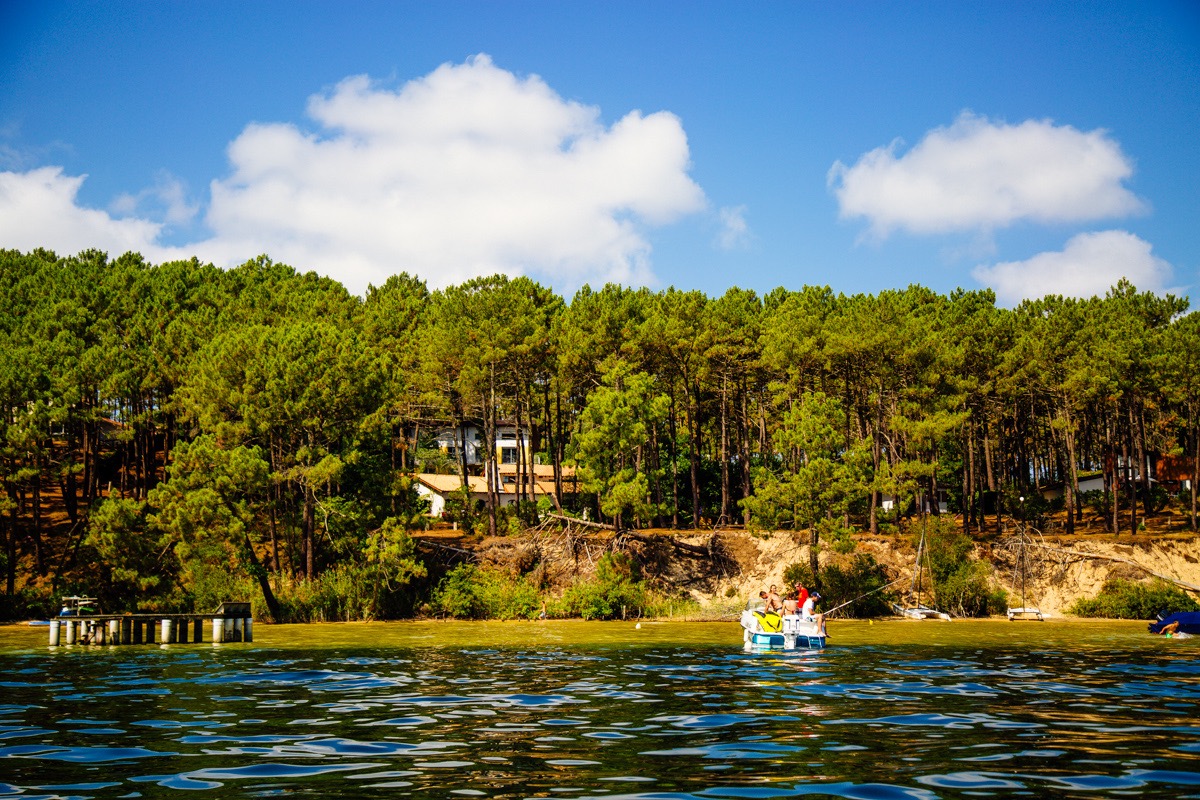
x=572 y=709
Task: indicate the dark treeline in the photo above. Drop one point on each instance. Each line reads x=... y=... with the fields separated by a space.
x=193 y=422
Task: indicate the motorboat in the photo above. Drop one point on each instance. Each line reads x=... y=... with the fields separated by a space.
x=765 y=630
x=73 y=606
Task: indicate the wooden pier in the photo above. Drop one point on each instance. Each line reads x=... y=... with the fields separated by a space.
x=229 y=623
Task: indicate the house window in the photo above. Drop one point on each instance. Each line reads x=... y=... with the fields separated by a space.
x=452 y=451
x=508 y=455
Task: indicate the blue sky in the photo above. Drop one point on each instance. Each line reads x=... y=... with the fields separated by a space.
x=1031 y=147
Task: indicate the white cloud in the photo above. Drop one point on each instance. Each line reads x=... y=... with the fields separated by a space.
x=1089 y=265
x=982 y=175
x=167 y=198
x=466 y=171
x=735 y=232
x=39 y=209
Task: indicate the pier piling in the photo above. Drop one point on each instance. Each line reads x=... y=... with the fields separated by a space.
x=230 y=623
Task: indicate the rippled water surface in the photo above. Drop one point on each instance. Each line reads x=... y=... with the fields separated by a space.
x=889 y=710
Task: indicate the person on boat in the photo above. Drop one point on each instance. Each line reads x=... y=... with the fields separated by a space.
x=801 y=594
x=790 y=605
x=774 y=601
x=809 y=613
x=759 y=604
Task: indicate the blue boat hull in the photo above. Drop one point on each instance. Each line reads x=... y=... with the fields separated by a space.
x=1189 y=622
x=772 y=640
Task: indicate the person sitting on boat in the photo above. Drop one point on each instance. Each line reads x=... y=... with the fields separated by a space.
x=790 y=606
x=809 y=613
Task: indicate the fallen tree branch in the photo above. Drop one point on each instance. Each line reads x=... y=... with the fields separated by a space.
x=584 y=523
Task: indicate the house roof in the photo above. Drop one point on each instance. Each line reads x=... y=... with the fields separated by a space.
x=446 y=484
x=540 y=471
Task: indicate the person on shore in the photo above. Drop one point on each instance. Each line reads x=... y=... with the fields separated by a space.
x=809 y=612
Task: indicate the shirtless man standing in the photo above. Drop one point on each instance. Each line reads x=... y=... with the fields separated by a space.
x=774 y=602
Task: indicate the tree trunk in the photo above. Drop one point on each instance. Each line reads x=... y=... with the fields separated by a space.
x=1195 y=468
x=724 y=454
x=310 y=522
x=264 y=583
x=1112 y=473
x=1144 y=462
x=1127 y=459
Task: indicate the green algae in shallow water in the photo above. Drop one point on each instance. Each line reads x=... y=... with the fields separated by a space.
x=896 y=709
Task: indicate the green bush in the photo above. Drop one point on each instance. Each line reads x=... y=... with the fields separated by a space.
x=27 y=603
x=205 y=586
x=967 y=592
x=1124 y=599
x=617 y=591
x=344 y=593
x=470 y=592
x=1098 y=501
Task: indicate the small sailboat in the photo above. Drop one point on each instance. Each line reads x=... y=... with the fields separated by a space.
x=917 y=609
x=1024 y=611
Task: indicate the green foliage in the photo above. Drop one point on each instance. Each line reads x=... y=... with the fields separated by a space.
x=345 y=593
x=615 y=428
x=137 y=566
x=1124 y=599
x=262 y=422
x=210 y=583
x=615 y=592
x=823 y=479
x=471 y=592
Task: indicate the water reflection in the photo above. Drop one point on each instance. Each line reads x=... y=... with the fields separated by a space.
x=891 y=711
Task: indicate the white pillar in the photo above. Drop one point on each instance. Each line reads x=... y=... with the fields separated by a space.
x=248 y=627
x=218 y=628
x=54 y=632
x=114 y=631
x=168 y=629
x=72 y=630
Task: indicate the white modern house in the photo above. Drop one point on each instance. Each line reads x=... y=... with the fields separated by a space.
x=451 y=441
